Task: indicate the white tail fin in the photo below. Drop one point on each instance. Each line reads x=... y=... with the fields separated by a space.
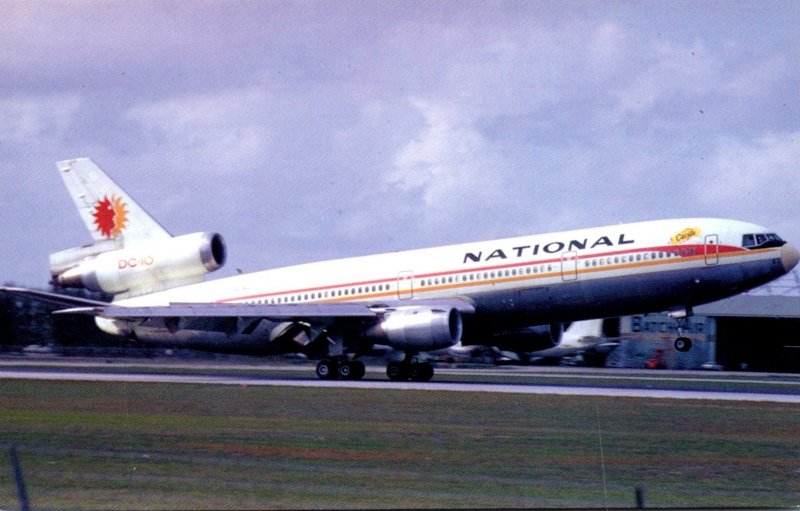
x=587 y=328
x=108 y=212
x=132 y=254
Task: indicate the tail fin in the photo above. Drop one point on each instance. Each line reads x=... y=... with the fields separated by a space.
x=587 y=328
x=581 y=334
x=131 y=253
x=108 y=212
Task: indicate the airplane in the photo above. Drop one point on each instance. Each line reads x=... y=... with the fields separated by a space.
x=581 y=338
x=513 y=293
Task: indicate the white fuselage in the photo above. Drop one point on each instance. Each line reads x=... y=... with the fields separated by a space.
x=473 y=270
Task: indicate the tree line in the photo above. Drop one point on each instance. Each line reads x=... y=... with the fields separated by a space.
x=25 y=321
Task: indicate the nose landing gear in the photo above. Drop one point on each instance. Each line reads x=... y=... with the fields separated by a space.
x=682 y=343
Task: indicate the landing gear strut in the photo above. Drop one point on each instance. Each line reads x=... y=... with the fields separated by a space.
x=409 y=369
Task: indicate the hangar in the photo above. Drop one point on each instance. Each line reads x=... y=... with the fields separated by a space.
x=756 y=331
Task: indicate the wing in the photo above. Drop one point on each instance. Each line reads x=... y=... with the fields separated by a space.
x=414 y=324
x=288 y=312
x=244 y=318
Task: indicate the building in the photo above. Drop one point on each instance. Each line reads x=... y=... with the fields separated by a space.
x=757 y=331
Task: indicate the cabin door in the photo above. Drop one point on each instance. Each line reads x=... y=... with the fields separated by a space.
x=569 y=266
x=405 y=285
x=712 y=249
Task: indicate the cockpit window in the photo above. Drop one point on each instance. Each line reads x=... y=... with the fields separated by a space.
x=762 y=240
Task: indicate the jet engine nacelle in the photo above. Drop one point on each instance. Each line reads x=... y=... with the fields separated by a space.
x=147 y=265
x=532 y=338
x=418 y=328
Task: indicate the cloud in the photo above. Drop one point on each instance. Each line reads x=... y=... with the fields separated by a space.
x=224 y=131
x=358 y=128
x=673 y=73
x=764 y=169
x=448 y=165
x=27 y=120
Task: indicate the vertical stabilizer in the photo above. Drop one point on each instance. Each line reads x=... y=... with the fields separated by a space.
x=588 y=328
x=109 y=213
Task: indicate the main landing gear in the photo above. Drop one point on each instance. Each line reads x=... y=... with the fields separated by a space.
x=409 y=369
x=340 y=369
x=338 y=366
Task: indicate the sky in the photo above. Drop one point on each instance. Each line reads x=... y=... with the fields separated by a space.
x=310 y=130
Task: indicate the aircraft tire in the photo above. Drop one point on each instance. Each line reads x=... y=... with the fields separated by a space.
x=327 y=370
x=683 y=344
x=397 y=371
x=345 y=371
x=421 y=372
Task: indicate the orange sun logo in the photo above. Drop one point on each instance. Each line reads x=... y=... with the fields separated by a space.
x=110 y=216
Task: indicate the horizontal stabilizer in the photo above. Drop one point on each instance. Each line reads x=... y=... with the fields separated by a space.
x=58 y=299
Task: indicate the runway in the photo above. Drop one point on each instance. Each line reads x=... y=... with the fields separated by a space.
x=596 y=383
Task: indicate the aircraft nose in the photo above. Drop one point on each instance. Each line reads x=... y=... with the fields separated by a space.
x=789 y=257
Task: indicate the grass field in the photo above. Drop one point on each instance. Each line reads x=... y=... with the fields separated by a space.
x=143 y=446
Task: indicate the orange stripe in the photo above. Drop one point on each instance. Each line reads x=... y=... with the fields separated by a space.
x=724 y=252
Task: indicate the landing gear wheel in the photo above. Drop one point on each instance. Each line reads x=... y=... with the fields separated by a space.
x=345 y=371
x=420 y=372
x=353 y=370
x=683 y=344
x=397 y=371
x=327 y=370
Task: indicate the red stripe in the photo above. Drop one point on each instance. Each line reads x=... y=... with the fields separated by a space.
x=700 y=250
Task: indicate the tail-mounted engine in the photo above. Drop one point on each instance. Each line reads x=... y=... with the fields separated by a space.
x=145 y=266
x=418 y=328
